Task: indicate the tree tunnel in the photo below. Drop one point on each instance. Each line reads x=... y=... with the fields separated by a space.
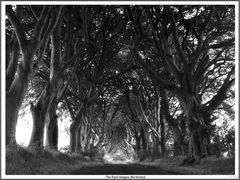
x=132 y=82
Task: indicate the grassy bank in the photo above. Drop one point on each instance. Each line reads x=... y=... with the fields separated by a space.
x=209 y=165
x=23 y=161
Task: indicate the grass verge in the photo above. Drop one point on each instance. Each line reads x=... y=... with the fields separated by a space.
x=209 y=165
x=23 y=161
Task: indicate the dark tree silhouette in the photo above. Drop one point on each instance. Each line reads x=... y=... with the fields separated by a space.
x=145 y=79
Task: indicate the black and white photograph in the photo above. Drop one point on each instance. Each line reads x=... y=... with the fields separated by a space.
x=119 y=89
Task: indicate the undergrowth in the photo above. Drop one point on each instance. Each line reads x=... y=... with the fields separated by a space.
x=221 y=165
x=209 y=165
x=23 y=161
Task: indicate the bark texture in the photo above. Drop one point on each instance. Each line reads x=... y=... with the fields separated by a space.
x=19 y=85
x=39 y=111
x=56 y=81
x=51 y=128
x=15 y=95
x=74 y=132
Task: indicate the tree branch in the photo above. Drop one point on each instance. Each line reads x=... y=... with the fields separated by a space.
x=176 y=39
x=69 y=108
x=18 y=28
x=35 y=12
x=229 y=42
x=37 y=33
x=151 y=72
x=221 y=94
x=53 y=22
x=200 y=46
x=137 y=31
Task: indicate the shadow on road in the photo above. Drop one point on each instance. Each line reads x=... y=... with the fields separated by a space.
x=122 y=169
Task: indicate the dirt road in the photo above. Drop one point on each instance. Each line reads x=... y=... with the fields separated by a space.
x=121 y=169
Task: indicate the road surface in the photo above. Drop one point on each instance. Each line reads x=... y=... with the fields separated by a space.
x=121 y=169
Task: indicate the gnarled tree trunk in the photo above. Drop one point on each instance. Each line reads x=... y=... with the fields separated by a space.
x=144 y=144
x=51 y=128
x=39 y=111
x=16 y=95
x=196 y=125
x=198 y=140
x=55 y=136
x=78 y=148
x=138 y=144
x=178 y=142
x=13 y=63
x=156 y=147
x=163 y=137
x=56 y=82
x=74 y=132
x=19 y=85
x=163 y=118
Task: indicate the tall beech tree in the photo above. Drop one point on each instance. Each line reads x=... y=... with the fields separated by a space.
x=184 y=38
x=64 y=58
x=28 y=46
x=48 y=95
